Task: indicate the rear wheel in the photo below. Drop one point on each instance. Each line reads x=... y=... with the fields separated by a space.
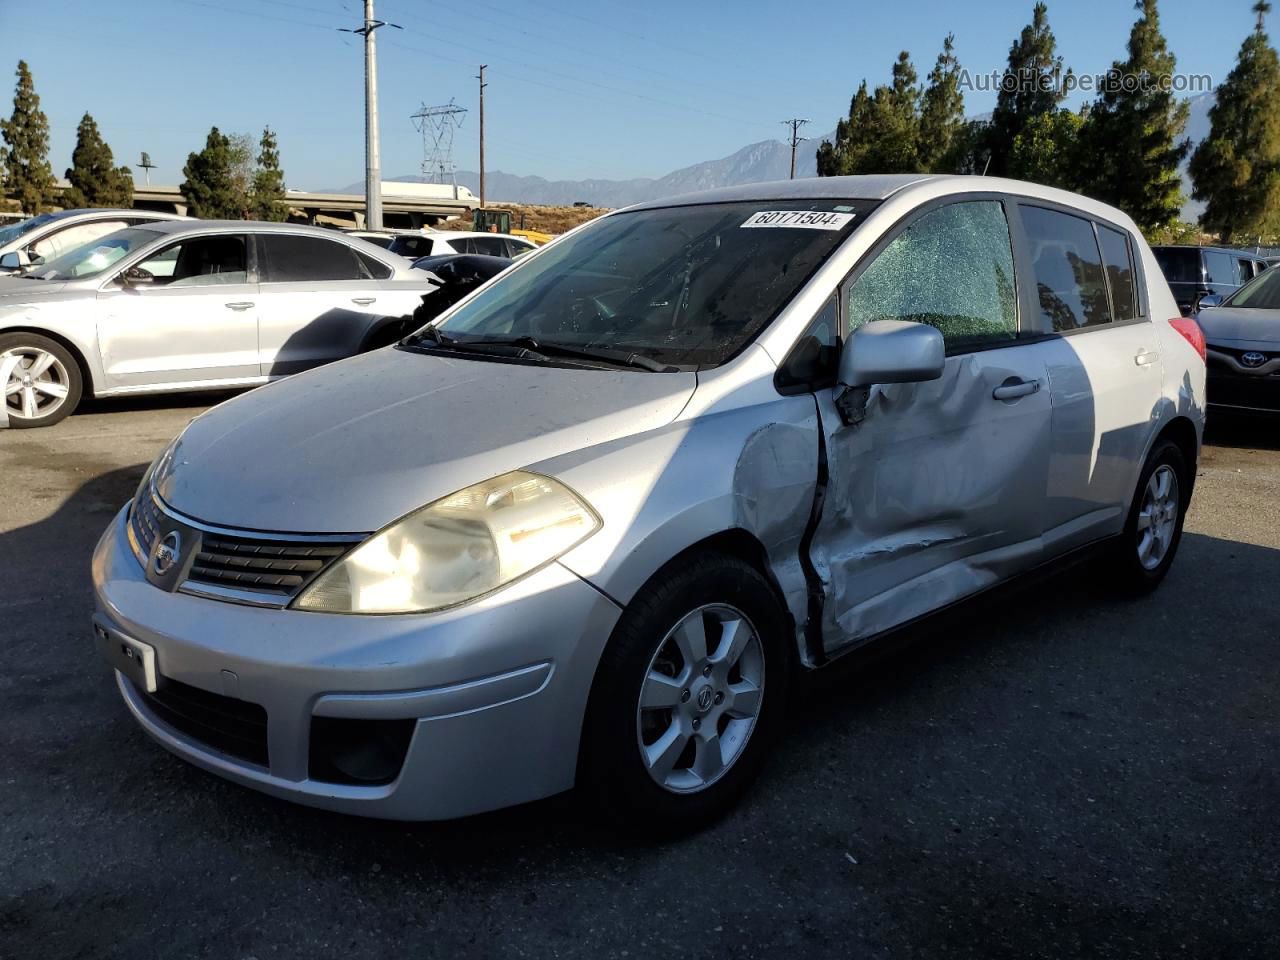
x=1146 y=549
x=688 y=696
x=43 y=384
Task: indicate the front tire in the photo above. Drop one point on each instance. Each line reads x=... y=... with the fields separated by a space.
x=688 y=697
x=45 y=384
x=1145 y=551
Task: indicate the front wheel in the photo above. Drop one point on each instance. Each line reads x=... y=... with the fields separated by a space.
x=688 y=697
x=1146 y=549
x=44 y=383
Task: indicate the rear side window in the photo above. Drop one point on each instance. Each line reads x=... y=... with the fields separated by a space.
x=1068 y=269
x=374 y=267
x=491 y=246
x=290 y=258
x=414 y=247
x=951 y=269
x=1118 y=259
x=1220 y=268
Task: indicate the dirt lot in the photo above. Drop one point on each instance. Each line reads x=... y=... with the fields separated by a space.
x=1054 y=774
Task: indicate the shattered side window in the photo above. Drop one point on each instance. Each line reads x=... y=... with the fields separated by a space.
x=951 y=269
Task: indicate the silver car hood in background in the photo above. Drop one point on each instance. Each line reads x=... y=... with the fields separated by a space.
x=1226 y=323
x=355 y=445
x=15 y=291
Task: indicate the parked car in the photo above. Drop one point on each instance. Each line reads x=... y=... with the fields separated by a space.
x=41 y=238
x=450 y=277
x=1243 y=337
x=1206 y=275
x=180 y=305
x=441 y=242
x=586 y=528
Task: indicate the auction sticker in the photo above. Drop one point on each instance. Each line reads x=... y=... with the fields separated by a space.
x=803 y=219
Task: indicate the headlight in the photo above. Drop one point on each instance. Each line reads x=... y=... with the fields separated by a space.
x=456 y=549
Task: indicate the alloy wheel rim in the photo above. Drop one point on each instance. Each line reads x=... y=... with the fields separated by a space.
x=37 y=385
x=1158 y=517
x=700 y=699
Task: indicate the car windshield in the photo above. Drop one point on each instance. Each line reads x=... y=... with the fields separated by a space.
x=687 y=286
x=1263 y=293
x=23 y=227
x=96 y=256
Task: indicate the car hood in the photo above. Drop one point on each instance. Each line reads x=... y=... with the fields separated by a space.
x=1227 y=324
x=15 y=291
x=355 y=445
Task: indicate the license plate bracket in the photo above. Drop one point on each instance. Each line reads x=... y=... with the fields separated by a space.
x=135 y=659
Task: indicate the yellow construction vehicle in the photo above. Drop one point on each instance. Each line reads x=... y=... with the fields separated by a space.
x=494 y=220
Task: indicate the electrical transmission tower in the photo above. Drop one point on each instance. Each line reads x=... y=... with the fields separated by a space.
x=437 y=126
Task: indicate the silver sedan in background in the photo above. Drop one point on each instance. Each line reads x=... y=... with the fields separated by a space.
x=190 y=305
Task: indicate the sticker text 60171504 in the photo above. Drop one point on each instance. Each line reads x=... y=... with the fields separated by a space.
x=804 y=219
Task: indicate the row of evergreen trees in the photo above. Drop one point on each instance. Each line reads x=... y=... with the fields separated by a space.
x=1124 y=148
x=225 y=180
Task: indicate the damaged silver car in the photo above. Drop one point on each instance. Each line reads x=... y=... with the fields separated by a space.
x=587 y=527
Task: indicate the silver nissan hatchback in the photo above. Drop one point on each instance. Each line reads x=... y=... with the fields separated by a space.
x=587 y=527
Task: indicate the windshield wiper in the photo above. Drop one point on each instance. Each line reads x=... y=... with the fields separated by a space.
x=621 y=358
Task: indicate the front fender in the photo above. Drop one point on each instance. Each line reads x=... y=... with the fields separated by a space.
x=752 y=468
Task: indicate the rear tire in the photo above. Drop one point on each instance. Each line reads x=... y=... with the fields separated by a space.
x=1145 y=550
x=688 y=698
x=45 y=387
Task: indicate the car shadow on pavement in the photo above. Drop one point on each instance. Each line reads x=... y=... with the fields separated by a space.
x=1012 y=688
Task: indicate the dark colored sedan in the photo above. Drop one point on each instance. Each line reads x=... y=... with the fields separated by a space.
x=1243 y=340
x=455 y=275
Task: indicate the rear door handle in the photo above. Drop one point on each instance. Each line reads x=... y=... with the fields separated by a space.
x=363 y=301
x=1146 y=357
x=1014 y=388
x=240 y=305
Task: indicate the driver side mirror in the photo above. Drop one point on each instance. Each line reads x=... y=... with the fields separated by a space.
x=1209 y=300
x=135 y=276
x=10 y=261
x=891 y=351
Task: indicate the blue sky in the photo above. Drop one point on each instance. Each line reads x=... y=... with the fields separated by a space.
x=605 y=89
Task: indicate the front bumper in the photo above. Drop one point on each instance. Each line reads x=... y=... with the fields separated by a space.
x=1244 y=391
x=496 y=689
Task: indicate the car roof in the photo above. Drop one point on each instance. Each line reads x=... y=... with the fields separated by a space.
x=1196 y=246
x=923 y=186
x=464 y=234
x=111 y=212
x=244 y=226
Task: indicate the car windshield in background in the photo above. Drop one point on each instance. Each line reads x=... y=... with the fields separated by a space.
x=96 y=256
x=686 y=286
x=22 y=227
x=1262 y=294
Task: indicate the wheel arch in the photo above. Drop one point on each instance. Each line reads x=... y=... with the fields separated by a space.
x=1182 y=432
x=86 y=372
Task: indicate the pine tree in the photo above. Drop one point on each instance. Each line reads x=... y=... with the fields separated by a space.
x=895 y=122
x=26 y=159
x=1236 y=169
x=210 y=188
x=1032 y=85
x=95 y=179
x=1133 y=137
x=1047 y=150
x=941 y=112
x=846 y=155
x=268 y=182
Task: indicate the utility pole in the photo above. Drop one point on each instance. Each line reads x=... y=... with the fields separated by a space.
x=795 y=124
x=372 y=163
x=482 y=86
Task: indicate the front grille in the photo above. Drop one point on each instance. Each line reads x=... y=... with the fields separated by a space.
x=1238 y=355
x=146 y=519
x=276 y=567
x=230 y=726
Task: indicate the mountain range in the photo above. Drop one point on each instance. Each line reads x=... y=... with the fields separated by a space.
x=754 y=163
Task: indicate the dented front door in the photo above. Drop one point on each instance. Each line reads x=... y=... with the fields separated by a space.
x=936 y=491
x=935 y=495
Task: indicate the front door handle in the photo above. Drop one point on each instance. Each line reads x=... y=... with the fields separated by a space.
x=1013 y=388
x=240 y=305
x=1146 y=358
x=363 y=301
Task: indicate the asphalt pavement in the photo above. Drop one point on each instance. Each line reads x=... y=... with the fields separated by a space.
x=1055 y=773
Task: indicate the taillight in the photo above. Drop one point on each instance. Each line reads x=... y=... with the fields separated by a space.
x=1191 y=330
